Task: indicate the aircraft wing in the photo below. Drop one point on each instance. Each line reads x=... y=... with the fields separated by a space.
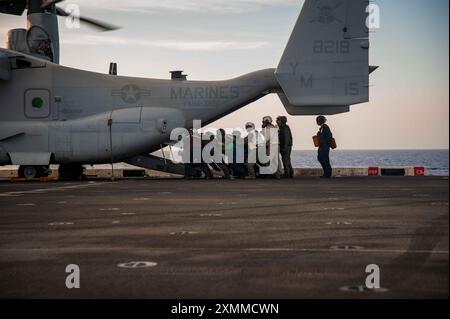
x=10 y=60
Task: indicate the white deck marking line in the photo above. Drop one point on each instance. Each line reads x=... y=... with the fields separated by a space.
x=281 y=250
x=138 y=264
x=363 y=250
x=46 y=190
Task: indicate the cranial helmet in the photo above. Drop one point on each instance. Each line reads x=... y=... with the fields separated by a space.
x=321 y=120
x=282 y=119
x=267 y=119
x=250 y=126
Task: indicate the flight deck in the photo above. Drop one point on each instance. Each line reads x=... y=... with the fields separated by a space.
x=173 y=238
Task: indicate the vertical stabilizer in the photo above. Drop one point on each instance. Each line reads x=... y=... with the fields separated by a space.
x=326 y=62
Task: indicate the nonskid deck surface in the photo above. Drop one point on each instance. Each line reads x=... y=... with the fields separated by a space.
x=225 y=239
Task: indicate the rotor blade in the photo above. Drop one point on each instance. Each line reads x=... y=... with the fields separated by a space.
x=47 y=3
x=102 y=26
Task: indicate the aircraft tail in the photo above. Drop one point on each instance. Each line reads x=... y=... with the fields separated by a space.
x=326 y=61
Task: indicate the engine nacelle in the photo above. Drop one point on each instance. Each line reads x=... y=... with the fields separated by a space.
x=41 y=39
x=17 y=40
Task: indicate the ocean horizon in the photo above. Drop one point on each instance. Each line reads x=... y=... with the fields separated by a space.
x=435 y=160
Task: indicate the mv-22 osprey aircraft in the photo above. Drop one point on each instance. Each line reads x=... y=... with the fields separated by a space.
x=51 y=114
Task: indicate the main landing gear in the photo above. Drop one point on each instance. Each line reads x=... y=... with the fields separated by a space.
x=66 y=171
x=33 y=171
x=70 y=171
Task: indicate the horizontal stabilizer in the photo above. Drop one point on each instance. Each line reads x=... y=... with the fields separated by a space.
x=312 y=110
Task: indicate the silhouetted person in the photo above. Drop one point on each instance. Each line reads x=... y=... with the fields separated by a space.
x=271 y=137
x=285 y=140
x=193 y=165
x=203 y=166
x=221 y=138
x=250 y=150
x=238 y=166
x=187 y=155
x=325 y=142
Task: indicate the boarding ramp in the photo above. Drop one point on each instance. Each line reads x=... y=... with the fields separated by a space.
x=157 y=163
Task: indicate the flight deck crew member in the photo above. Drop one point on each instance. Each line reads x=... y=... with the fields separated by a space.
x=194 y=166
x=271 y=138
x=237 y=165
x=325 y=143
x=187 y=155
x=221 y=139
x=285 y=140
x=203 y=166
x=251 y=144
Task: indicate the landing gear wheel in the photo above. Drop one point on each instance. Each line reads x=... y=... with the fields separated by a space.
x=70 y=171
x=28 y=172
x=31 y=172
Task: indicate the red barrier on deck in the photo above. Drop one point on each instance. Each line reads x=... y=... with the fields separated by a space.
x=374 y=171
x=419 y=171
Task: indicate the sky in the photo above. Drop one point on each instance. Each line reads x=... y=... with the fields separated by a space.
x=222 y=39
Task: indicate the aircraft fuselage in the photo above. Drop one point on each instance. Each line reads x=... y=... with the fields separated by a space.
x=65 y=113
